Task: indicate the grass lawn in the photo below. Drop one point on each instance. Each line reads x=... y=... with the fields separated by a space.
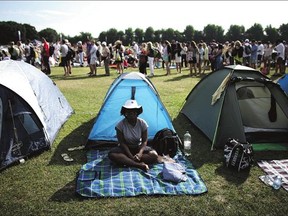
x=45 y=184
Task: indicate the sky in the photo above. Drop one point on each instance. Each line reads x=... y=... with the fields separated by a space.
x=73 y=17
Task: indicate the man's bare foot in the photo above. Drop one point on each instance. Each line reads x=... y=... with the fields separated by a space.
x=143 y=166
x=165 y=158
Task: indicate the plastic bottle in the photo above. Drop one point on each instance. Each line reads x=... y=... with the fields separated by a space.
x=277 y=182
x=187 y=143
x=267 y=180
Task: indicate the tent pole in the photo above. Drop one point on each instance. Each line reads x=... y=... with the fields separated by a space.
x=17 y=145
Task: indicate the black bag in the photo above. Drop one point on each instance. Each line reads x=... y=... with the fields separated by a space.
x=238 y=155
x=32 y=52
x=166 y=142
x=247 y=49
x=70 y=54
x=51 y=50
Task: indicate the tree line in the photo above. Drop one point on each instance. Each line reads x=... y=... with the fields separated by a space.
x=12 y=31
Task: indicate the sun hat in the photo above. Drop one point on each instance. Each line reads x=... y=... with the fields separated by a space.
x=131 y=104
x=104 y=43
x=118 y=42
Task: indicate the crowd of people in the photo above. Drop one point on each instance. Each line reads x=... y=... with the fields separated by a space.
x=196 y=57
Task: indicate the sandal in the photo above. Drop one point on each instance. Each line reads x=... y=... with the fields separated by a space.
x=66 y=157
x=76 y=148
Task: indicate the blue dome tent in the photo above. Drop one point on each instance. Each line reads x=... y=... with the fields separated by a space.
x=133 y=85
x=283 y=82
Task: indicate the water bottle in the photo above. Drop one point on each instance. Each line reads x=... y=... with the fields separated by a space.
x=277 y=182
x=187 y=143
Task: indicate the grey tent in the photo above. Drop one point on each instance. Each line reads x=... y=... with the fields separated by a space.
x=238 y=102
x=32 y=111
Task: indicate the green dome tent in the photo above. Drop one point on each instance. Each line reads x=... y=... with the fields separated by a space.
x=238 y=102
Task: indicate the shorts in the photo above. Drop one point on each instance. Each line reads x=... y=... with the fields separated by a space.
x=134 y=151
x=64 y=61
x=166 y=59
x=178 y=59
x=93 y=61
x=253 y=60
x=193 y=60
x=280 y=61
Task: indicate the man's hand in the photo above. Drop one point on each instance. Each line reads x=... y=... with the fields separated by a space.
x=137 y=157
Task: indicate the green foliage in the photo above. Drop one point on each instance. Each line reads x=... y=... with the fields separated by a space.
x=234 y=32
x=271 y=34
x=283 y=30
x=149 y=34
x=255 y=32
x=189 y=32
x=84 y=36
x=45 y=184
x=213 y=32
x=139 y=35
x=49 y=34
x=31 y=32
x=9 y=32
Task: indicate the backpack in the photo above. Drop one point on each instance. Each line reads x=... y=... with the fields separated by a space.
x=143 y=58
x=32 y=52
x=237 y=155
x=98 y=53
x=70 y=54
x=51 y=50
x=166 y=142
x=247 y=49
x=157 y=53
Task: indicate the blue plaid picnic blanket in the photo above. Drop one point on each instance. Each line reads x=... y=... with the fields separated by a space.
x=100 y=178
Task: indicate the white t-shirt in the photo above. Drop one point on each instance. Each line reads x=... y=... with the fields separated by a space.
x=64 y=50
x=93 y=51
x=244 y=53
x=260 y=50
x=132 y=134
x=136 y=49
x=280 y=48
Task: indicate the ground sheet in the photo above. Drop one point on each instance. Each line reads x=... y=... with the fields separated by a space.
x=100 y=178
x=274 y=168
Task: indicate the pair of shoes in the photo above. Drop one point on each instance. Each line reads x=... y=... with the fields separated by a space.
x=89 y=73
x=92 y=75
x=66 y=157
x=76 y=148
